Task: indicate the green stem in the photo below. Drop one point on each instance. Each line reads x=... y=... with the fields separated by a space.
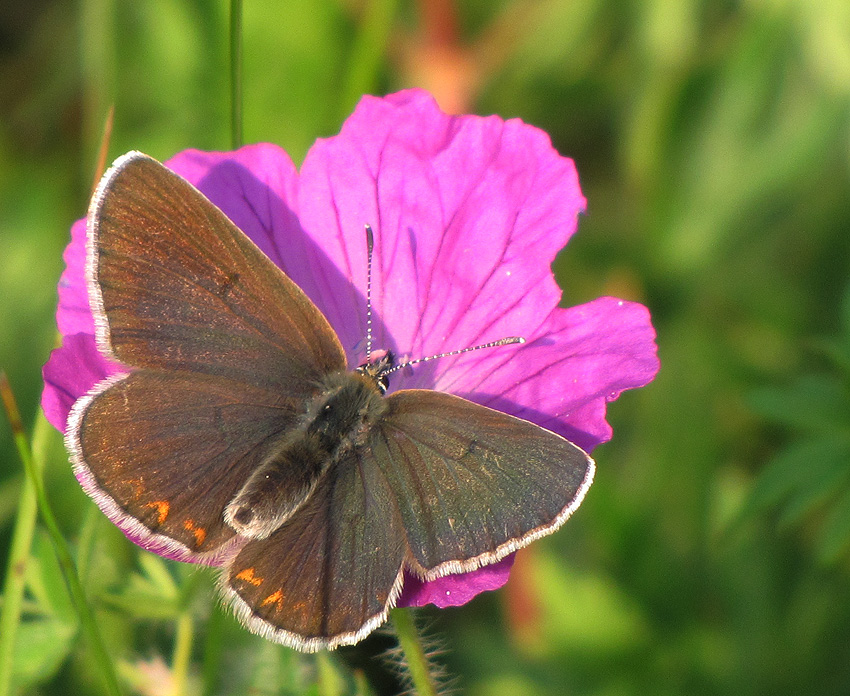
x=181 y=658
x=236 y=73
x=86 y=540
x=361 y=684
x=182 y=651
x=368 y=51
x=329 y=683
x=213 y=648
x=13 y=587
x=63 y=555
x=411 y=647
x=97 y=42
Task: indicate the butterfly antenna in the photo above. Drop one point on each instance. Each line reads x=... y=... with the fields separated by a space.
x=510 y=340
x=370 y=245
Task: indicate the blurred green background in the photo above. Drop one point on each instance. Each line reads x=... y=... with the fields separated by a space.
x=712 y=141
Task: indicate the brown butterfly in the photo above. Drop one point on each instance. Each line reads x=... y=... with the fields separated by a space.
x=239 y=436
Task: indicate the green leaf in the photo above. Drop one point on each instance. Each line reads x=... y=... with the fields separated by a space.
x=835 y=535
x=41 y=646
x=158 y=575
x=586 y=612
x=141 y=604
x=817 y=403
x=151 y=594
x=805 y=474
x=46 y=582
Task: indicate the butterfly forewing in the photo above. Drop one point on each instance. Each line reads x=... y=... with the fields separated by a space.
x=177 y=286
x=330 y=573
x=226 y=350
x=473 y=484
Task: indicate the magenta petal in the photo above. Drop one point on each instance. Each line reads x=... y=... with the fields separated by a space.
x=73 y=314
x=256 y=187
x=70 y=372
x=454 y=590
x=468 y=213
x=572 y=365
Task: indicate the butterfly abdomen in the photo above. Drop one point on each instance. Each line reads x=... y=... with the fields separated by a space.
x=278 y=487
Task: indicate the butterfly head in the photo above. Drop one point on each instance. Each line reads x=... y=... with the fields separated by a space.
x=378 y=371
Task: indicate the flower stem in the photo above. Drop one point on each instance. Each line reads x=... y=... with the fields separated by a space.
x=328 y=681
x=97 y=50
x=361 y=684
x=411 y=647
x=236 y=73
x=86 y=539
x=185 y=631
x=182 y=651
x=212 y=651
x=63 y=555
x=368 y=50
x=13 y=587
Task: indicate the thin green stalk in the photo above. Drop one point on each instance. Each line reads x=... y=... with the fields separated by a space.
x=328 y=681
x=181 y=658
x=213 y=649
x=97 y=41
x=368 y=51
x=414 y=655
x=63 y=555
x=361 y=684
x=86 y=540
x=13 y=587
x=236 y=73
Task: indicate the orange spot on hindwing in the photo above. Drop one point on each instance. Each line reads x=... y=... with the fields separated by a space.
x=273 y=598
x=199 y=532
x=161 y=507
x=248 y=576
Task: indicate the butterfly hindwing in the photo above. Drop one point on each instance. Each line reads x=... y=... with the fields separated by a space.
x=168 y=451
x=473 y=484
x=331 y=572
x=441 y=485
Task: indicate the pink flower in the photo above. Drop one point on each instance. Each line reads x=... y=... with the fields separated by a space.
x=468 y=214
